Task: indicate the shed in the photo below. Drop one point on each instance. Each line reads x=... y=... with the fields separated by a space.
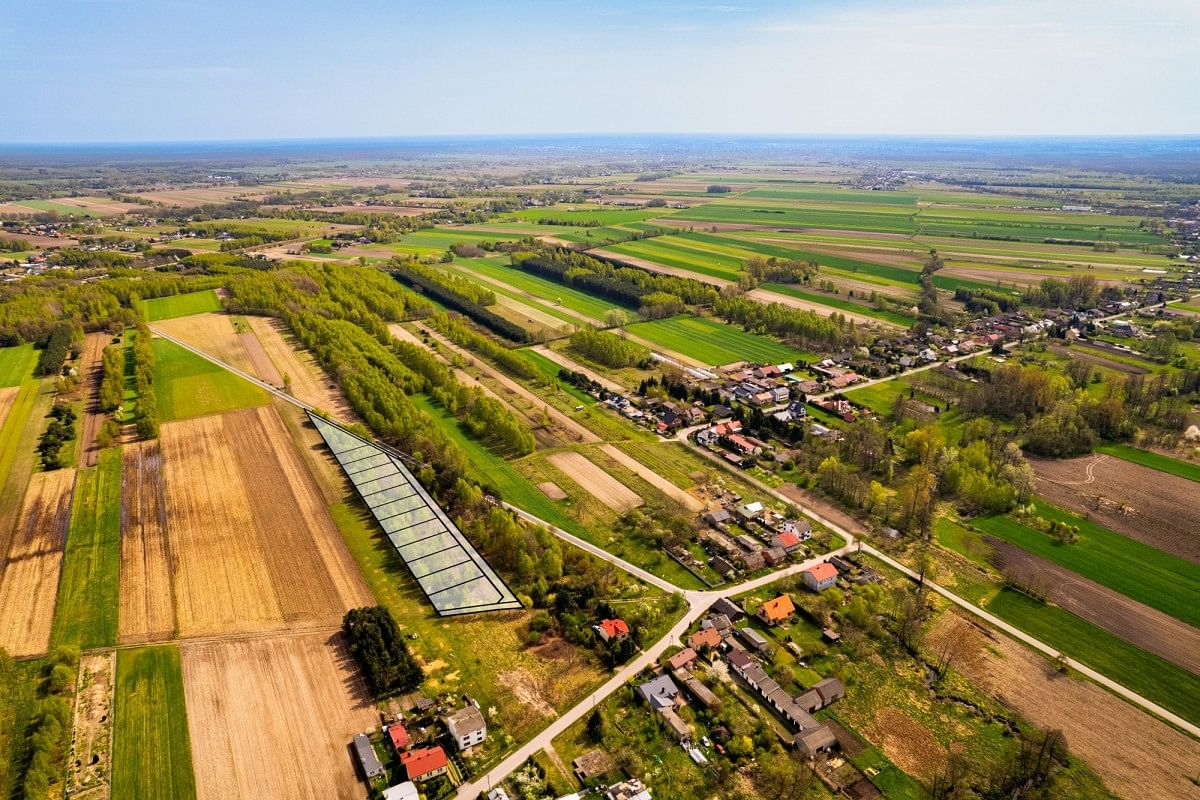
x=810 y=701
x=729 y=608
x=754 y=639
x=814 y=740
x=830 y=689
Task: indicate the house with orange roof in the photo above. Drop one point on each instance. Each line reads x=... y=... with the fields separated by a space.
x=778 y=610
x=424 y=763
x=612 y=629
x=705 y=637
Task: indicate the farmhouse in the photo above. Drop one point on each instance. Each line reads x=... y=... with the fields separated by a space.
x=424 y=763
x=659 y=692
x=821 y=577
x=467 y=727
x=366 y=756
x=775 y=611
x=704 y=638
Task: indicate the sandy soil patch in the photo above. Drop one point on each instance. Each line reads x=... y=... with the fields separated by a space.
x=274 y=718
x=90 y=764
x=147 y=601
x=29 y=580
x=1157 y=508
x=1136 y=755
x=91 y=371
x=309 y=381
x=1148 y=628
x=252 y=545
x=653 y=478
x=765 y=296
x=596 y=481
x=552 y=490
x=212 y=332
x=525 y=688
x=565 y=361
x=8 y=395
x=906 y=742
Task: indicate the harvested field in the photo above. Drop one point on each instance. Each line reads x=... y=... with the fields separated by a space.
x=29 y=580
x=552 y=490
x=147 y=603
x=91 y=372
x=1148 y=759
x=309 y=381
x=7 y=396
x=91 y=746
x=252 y=545
x=38 y=242
x=399 y=211
x=212 y=333
x=1138 y=624
x=564 y=361
x=1153 y=507
x=672 y=491
x=908 y=743
x=596 y=481
x=274 y=718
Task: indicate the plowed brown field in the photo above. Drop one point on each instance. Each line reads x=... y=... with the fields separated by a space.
x=29 y=581
x=596 y=481
x=309 y=381
x=1137 y=755
x=274 y=717
x=7 y=396
x=147 y=604
x=91 y=372
x=252 y=545
x=1154 y=507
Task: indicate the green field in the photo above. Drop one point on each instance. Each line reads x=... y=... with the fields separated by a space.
x=180 y=305
x=583 y=216
x=152 y=754
x=1150 y=676
x=186 y=385
x=430 y=241
x=549 y=370
x=554 y=293
x=714 y=342
x=47 y=206
x=86 y=614
x=18 y=704
x=1136 y=570
x=1146 y=458
x=767 y=213
x=16 y=364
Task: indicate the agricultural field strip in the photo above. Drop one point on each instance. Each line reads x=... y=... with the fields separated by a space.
x=453 y=575
x=712 y=342
x=699 y=602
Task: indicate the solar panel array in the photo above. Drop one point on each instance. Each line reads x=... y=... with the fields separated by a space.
x=455 y=578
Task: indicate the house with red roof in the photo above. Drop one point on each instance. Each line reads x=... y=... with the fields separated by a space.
x=398 y=737
x=821 y=577
x=424 y=763
x=612 y=629
x=778 y=610
x=705 y=637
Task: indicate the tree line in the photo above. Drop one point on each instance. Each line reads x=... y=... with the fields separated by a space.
x=808 y=327
x=459 y=294
x=609 y=349
x=381 y=652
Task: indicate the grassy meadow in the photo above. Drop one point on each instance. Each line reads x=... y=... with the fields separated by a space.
x=715 y=343
x=152 y=754
x=180 y=305
x=186 y=385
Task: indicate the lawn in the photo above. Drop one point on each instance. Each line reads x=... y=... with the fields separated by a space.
x=1160 y=580
x=86 y=615
x=180 y=305
x=16 y=364
x=1152 y=460
x=186 y=385
x=152 y=754
x=714 y=342
x=1150 y=676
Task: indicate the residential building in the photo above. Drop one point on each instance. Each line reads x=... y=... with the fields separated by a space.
x=632 y=789
x=775 y=611
x=424 y=763
x=467 y=726
x=729 y=608
x=408 y=791
x=821 y=577
x=682 y=659
x=611 y=629
x=659 y=692
x=366 y=756
x=675 y=724
x=397 y=737
x=704 y=638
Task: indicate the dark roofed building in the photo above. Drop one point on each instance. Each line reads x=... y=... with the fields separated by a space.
x=815 y=740
x=830 y=689
x=366 y=756
x=729 y=608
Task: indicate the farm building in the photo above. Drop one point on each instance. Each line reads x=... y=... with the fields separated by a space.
x=729 y=608
x=467 y=726
x=754 y=639
x=675 y=724
x=831 y=690
x=366 y=757
x=775 y=611
x=424 y=763
x=815 y=740
x=821 y=577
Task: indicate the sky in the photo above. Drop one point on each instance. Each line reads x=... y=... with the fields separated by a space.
x=185 y=70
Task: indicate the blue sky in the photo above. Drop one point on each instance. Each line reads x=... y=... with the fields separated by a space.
x=145 y=70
